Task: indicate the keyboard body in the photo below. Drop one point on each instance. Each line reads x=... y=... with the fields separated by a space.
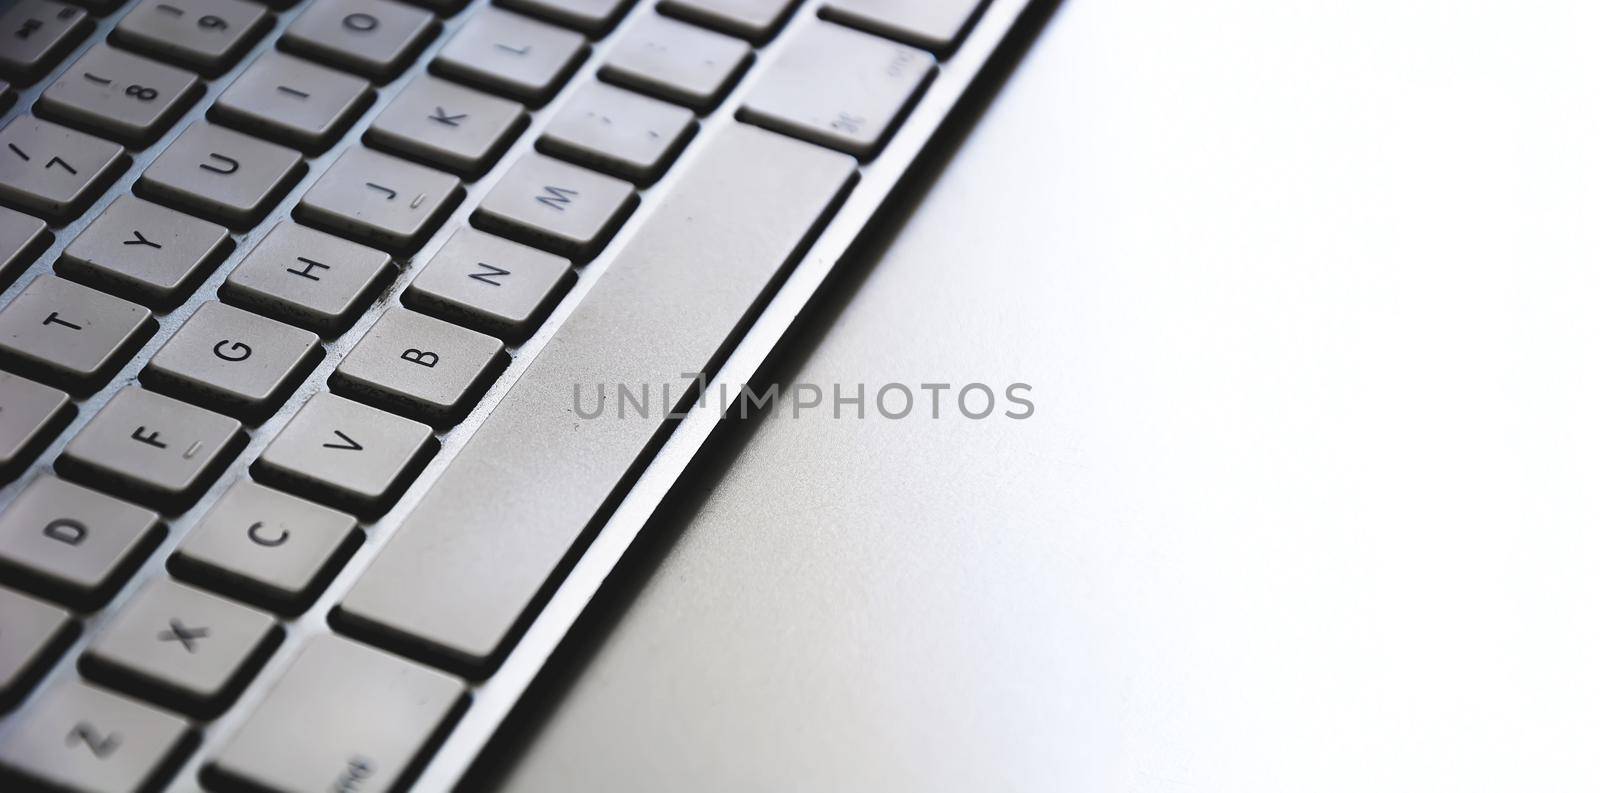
x=470 y=195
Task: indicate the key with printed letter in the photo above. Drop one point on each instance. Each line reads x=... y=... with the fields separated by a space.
x=342 y=718
x=208 y=35
x=188 y=649
x=145 y=252
x=511 y=55
x=420 y=366
x=217 y=173
x=374 y=38
x=293 y=102
x=120 y=95
x=71 y=544
x=379 y=199
x=35 y=632
x=70 y=335
x=37 y=34
x=152 y=448
x=52 y=171
x=80 y=738
x=233 y=361
x=560 y=207
x=308 y=277
x=266 y=547
x=620 y=132
x=490 y=284
x=447 y=126
x=456 y=580
x=30 y=415
x=353 y=456
x=838 y=87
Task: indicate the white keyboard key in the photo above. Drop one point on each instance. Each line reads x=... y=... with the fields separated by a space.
x=755 y=20
x=79 y=738
x=593 y=17
x=380 y=200
x=266 y=547
x=187 y=649
x=373 y=38
x=421 y=367
x=491 y=285
x=838 y=87
x=511 y=55
x=22 y=239
x=293 y=102
x=447 y=126
x=37 y=34
x=30 y=416
x=347 y=454
x=233 y=361
x=934 y=25
x=206 y=35
x=342 y=718
x=70 y=335
x=145 y=252
x=308 y=278
x=220 y=174
x=619 y=132
x=34 y=633
x=456 y=579
x=120 y=95
x=557 y=206
x=677 y=62
x=152 y=449
x=71 y=544
x=54 y=172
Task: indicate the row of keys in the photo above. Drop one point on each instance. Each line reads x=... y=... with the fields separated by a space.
x=341 y=716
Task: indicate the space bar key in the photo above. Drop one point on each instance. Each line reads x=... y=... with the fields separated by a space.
x=460 y=575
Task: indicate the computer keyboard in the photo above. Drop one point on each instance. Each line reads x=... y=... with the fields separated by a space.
x=296 y=295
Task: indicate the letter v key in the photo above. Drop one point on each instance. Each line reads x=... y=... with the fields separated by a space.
x=349 y=443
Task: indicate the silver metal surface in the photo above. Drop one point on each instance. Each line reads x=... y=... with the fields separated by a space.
x=1305 y=292
x=494 y=697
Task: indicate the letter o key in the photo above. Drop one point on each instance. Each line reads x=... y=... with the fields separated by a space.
x=231 y=350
